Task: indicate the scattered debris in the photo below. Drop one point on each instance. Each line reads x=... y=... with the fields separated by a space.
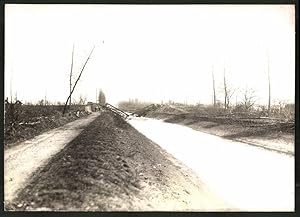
x=26 y=121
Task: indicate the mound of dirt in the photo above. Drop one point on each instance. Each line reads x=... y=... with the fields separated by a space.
x=157 y=110
x=169 y=109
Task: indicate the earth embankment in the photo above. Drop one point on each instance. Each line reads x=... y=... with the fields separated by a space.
x=110 y=166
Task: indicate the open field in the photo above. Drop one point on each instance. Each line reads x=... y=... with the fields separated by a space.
x=26 y=121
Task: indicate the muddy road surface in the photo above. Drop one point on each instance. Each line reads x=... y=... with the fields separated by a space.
x=249 y=177
x=110 y=166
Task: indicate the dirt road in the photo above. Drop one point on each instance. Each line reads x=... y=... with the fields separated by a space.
x=249 y=177
x=21 y=161
x=110 y=166
x=270 y=134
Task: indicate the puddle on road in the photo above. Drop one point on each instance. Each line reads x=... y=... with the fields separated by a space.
x=248 y=177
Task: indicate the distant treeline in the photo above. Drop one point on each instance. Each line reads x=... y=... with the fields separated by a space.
x=279 y=109
x=42 y=102
x=132 y=105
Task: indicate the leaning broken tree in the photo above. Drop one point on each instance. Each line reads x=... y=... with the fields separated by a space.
x=70 y=94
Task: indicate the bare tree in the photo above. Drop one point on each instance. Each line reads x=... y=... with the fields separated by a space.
x=82 y=100
x=46 y=102
x=225 y=91
x=228 y=93
x=214 y=87
x=41 y=102
x=10 y=88
x=269 y=82
x=71 y=76
x=77 y=80
x=248 y=98
x=16 y=96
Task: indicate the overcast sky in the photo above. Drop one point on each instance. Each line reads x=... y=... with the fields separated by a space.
x=149 y=52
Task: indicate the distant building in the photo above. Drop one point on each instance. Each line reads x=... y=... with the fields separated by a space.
x=91 y=107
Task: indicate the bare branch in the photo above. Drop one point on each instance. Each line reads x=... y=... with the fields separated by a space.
x=248 y=98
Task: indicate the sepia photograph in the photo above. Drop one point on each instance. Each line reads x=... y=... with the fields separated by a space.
x=115 y=107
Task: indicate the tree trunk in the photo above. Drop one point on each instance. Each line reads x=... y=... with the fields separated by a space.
x=214 y=89
x=71 y=76
x=77 y=80
x=97 y=97
x=269 y=81
x=225 y=92
x=11 y=94
x=46 y=97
